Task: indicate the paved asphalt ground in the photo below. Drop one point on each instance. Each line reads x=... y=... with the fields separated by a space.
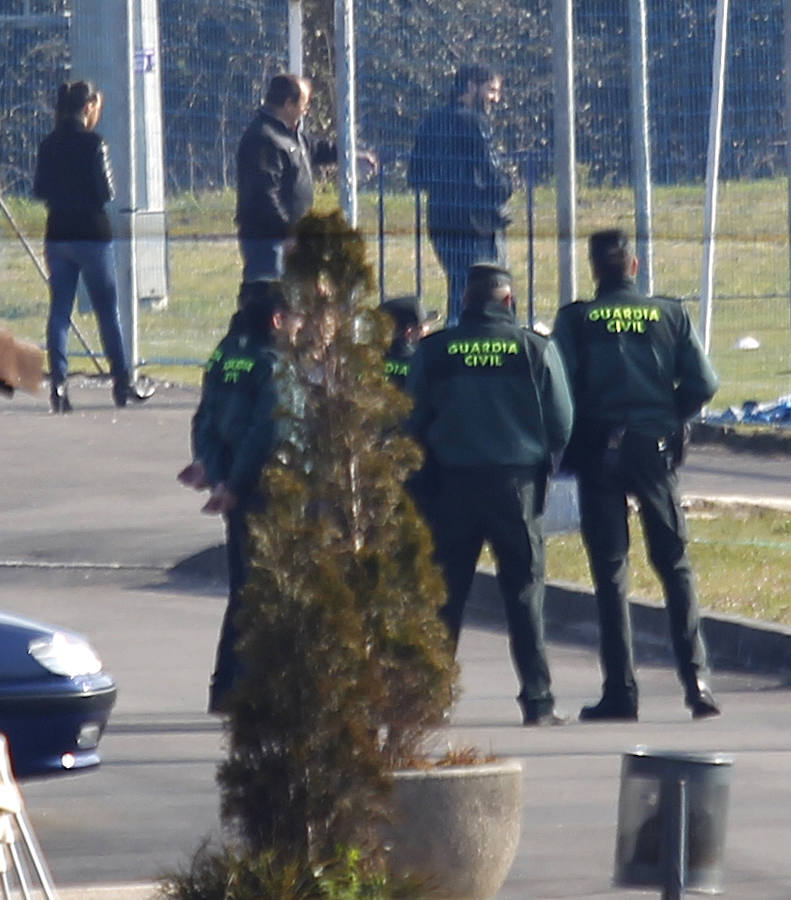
x=94 y=534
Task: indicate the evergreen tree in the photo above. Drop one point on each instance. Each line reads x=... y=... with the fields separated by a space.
x=347 y=665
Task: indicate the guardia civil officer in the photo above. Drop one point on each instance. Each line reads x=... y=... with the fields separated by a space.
x=235 y=431
x=639 y=374
x=491 y=405
x=409 y=324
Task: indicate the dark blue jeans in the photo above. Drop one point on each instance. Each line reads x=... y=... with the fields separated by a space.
x=262 y=259
x=95 y=260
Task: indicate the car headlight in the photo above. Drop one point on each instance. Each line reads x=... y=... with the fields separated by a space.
x=65 y=654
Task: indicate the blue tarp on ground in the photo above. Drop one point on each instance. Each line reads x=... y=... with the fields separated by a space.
x=753 y=413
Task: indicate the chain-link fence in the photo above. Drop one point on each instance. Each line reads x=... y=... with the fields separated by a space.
x=217 y=58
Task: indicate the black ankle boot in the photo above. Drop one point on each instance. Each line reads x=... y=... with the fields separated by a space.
x=701 y=702
x=610 y=709
x=59 y=398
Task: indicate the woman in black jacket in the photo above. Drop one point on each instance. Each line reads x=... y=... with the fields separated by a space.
x=73 y=177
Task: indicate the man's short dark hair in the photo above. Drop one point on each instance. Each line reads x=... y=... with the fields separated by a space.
x=284 y=88
x=471 y=72
x=610 y=254
x=486 y=281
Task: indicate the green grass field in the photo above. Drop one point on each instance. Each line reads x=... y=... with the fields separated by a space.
x=741 y=556
x=751 y=284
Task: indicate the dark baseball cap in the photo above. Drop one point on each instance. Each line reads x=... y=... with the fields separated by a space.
x=263 y=297
x=406 y=310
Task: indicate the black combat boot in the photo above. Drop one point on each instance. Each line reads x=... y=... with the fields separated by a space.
x=701 y=702
x=611 y=708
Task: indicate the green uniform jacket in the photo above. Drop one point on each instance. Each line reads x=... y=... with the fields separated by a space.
x=634 y=362
x=398 y=359
x=235 y=429
x=489 y=393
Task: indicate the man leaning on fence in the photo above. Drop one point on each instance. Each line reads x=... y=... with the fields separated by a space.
x=455 y=162
x=639 y=374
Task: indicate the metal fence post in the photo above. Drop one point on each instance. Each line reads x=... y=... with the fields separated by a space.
x=381 y=224
x=713 y=170
x=641 y=152
x=565 y=154
x=345 y=83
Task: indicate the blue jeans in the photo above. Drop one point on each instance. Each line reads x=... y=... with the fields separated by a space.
x=95 y=260
x=262 y=259
x=457 y=251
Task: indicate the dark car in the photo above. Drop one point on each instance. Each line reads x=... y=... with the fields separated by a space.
x=55 y=698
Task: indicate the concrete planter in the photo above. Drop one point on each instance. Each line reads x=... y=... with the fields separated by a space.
x=458 y=826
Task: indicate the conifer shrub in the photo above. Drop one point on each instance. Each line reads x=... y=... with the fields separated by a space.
x=227 y=874
x=347 y=667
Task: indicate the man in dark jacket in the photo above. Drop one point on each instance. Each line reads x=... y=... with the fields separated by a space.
x=491 y=405
x=638 y=374
x=234 y=433
x=274 y=170
x=275 y=164
x=455 y=162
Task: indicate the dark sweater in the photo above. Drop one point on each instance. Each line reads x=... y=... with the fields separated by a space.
x=74 y=178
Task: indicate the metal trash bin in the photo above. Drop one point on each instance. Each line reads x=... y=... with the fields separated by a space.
x=671 y=821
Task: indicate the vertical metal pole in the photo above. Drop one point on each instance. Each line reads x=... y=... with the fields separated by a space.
x=418 y=243
x=102 y=51
x=673 y=804
x=565 y=153
x=127 y=251
x=787 y=49
x=295 y=52
x=641 y=148
x=713 y=170
x=150 y=221
x=381 y=223
x=345 y=81
x=531 y=241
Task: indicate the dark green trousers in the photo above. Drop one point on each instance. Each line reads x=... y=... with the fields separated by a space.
x=638 y=467
x=501 y=505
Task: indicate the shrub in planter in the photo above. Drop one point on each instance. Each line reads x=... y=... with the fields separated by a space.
x=347 y=666
x=226 y=874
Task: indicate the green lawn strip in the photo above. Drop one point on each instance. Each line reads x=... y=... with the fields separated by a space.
x=751 y=283
x=741 y=556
